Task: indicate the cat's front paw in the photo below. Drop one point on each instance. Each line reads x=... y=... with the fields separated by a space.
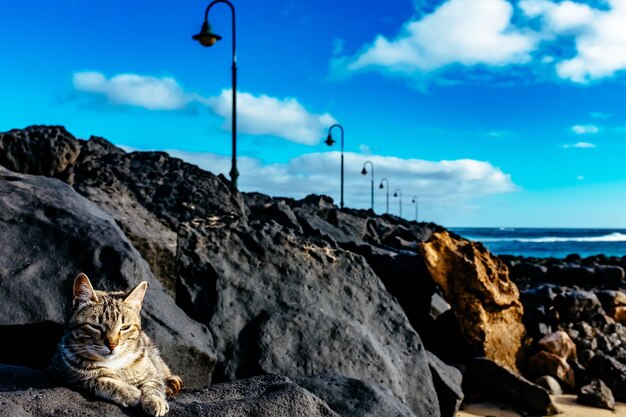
x=126 y=395
x=173 y=385
x=155 y=405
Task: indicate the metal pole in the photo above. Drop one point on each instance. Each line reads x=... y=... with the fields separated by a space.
x=372 y=191
x=329 y=142
x=364 y=171
x=398 y=193
x=341 y=202
x=381 y=186
x=234 y=173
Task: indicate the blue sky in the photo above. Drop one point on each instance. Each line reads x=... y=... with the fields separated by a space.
x=493 y=112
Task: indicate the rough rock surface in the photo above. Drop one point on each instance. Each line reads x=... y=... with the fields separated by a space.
x=611 y=372
x=596 y=394
x=28 y=393
x=299 y=306
x=560 y=344
x=51 y=234
x=492 y=381
x=546 y=363
x=485 y=301
x=448 y=381
x=148 y=193
x=350 y=397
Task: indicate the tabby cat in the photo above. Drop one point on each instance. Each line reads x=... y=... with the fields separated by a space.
x=104 y=351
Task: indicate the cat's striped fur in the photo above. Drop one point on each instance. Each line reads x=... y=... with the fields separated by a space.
x=105 y=352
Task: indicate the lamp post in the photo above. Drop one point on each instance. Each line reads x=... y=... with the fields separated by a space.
x=330 y=141
x=381 y=187
x=207 y=38
x=395 y=194
x=364 y=172
x=416 y=204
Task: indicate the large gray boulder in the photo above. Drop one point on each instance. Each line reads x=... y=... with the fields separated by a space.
x=50 y=233
x=351 y=397
x=280 y=302
x=28 y=393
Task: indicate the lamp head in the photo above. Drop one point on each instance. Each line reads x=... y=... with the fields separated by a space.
x=206 y=37
x=413 y=201
x=329 y=140
x=381 y=186
x=364 y=171
x=395 y=194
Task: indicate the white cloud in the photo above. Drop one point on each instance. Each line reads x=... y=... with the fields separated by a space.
x=265 y=115
x=580 y=178
x=467 y=32
x=577 y=41
x=601 y=47
x=580 y=145
x=585 y=129
x=600 y=36
x=257 y=115
x=151 y=93
x=560 y=18
x=440 y=183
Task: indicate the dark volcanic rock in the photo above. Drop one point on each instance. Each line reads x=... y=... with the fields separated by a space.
x=317 y=215
x=571 y=274
x=33 y=395
x=596 y=394
x=448 y=380
x=51 y=234
x=574 y=306
x=351 y=397
x=612 y=275
x=300 y=306
x=612 y=372
x=148 y=193
x=40 y=150
x=499 y=384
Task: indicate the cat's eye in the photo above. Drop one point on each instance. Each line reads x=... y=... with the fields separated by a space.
x=125 y=328
x=93 y=328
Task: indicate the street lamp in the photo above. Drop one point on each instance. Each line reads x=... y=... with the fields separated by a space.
x=330 y=141
x=381 y=187
x=364 y=172
x=416 y=204
x=207 y=38
x=395 y=194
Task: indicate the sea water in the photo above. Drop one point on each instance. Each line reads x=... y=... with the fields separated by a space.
x=544 y=243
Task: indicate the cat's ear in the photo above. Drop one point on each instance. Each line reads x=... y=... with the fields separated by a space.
x=135 y=297
x=83 y=291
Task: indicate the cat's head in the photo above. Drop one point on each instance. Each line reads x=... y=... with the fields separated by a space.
x=104 y=324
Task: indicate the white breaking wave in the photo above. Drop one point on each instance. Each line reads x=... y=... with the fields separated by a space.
x=613 y=237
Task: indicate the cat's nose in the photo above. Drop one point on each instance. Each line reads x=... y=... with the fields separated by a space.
x=110 y=344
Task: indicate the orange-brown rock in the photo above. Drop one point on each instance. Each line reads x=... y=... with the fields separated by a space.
x=483 y=298
x=546 y=363
x=560 y=344
x=619 y=314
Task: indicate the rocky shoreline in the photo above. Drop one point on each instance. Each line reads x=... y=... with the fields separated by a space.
x=292 y=307
x=575 y=311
